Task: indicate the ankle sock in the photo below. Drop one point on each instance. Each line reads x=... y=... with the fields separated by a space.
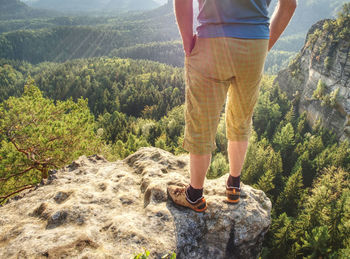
x=234 y=181
x=193 y=194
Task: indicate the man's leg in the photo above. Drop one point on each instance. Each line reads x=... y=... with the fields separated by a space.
x=199 y=165
x=248 y=63
x=208 y=77
x=236 y=155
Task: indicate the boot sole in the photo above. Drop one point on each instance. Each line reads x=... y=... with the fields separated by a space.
x=232 y=201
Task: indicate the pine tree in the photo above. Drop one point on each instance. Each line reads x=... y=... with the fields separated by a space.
x=39 y=135
x=324 y=222
x=289 y=200
x=284 y=142
x=279 y=237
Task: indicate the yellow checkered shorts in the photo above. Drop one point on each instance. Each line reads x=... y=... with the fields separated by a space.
x=218 y=70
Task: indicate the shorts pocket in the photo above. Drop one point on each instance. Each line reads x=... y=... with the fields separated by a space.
x=195 y=44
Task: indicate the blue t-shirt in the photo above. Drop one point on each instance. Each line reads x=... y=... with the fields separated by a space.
x=233 y=18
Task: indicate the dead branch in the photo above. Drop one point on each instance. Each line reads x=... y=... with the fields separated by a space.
x=3 y=198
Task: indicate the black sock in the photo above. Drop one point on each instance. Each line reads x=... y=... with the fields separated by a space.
x=233 y=181
x=193 y=194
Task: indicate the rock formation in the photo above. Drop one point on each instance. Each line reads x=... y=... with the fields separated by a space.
x=98 y=209
x=323 y=61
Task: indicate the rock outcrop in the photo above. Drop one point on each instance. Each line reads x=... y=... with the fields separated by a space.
x=324 y=60
x=98 y=209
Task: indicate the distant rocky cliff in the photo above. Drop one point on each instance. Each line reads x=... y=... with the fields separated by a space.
x=318 y=79
x=98 y=209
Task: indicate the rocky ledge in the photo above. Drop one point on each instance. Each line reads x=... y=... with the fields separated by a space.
x=99 y=209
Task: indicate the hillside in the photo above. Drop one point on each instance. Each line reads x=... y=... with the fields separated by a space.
x=307 y=13
x=15 y=9
x=69 y=42
x=110 y=84
x=74 y=39
x=11 y=6
x=77 y=6
x=169 y=52
x=319 y=78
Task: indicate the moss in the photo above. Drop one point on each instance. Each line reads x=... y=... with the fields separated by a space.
x=319 y=93
x=323 y=48
x=295 y=66
x=327 y=63
x=312 y=38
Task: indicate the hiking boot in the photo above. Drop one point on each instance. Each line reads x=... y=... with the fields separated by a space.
x=179 y=197
x=233 y=194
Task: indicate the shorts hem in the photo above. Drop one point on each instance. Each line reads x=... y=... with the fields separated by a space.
x=239 y=138
x=203 y=151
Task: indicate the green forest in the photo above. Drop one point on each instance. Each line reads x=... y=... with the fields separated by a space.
x=73 y=85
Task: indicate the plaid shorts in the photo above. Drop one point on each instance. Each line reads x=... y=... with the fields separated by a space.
x=220 y=70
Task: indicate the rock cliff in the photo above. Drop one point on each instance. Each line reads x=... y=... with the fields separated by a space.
x=318 y=78
x=99 y=209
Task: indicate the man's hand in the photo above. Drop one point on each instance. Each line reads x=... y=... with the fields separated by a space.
x=184 y=17
x=188 y=47
x=280 y=19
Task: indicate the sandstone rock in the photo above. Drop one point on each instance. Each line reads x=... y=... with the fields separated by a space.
x=329 y=61
x=99 y=209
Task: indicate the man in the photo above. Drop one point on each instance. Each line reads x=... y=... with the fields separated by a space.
x=224 y=60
